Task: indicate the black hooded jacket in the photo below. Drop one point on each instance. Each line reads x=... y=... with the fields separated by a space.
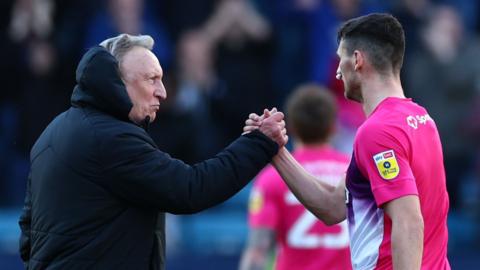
x=98 y=184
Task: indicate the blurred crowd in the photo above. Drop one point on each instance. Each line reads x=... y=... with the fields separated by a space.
x=223 y=59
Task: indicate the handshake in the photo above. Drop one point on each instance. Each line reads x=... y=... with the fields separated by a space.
x=271 y=123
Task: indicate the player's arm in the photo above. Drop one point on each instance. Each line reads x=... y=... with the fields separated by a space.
x=323 y=200
x=261 y=242
x=407 y=232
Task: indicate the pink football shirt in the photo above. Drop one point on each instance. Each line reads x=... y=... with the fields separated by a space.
x=304 y=242
x=397 y=152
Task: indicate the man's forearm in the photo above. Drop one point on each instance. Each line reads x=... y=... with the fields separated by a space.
x=325 y=201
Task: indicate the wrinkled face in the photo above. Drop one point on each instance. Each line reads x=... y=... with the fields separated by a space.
x=347 y=73
x=142 y=75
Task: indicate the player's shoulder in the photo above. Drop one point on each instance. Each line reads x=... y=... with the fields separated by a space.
x=390 y=119
x=371 y=129
x=376 y=135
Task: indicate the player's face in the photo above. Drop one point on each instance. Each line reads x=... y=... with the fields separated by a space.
x=347 y=73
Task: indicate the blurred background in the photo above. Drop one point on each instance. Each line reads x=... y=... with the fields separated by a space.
x=223 y=59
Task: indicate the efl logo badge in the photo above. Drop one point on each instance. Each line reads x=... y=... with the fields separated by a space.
x=387 y=164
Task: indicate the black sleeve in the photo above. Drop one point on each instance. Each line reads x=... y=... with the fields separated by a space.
x=25 y=223
x=140 y=173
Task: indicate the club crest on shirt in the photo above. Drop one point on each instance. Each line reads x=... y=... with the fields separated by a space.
x=387 y=164
x=256 y=201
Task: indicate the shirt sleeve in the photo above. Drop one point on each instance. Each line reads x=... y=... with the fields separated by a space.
x=139 y=173
x=382 y=155
x=263 y=209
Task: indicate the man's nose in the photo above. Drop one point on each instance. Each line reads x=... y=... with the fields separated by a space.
x=161 y=92
x=338 y=75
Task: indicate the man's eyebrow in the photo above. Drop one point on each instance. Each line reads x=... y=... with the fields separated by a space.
x=153 y=74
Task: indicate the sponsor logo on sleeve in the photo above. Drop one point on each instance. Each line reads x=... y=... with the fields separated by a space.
x=256 y=201
x=387 y=164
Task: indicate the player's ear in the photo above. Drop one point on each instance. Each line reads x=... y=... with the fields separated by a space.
x=359 y=59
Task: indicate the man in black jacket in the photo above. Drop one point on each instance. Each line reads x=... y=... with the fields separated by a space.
x=99 y=186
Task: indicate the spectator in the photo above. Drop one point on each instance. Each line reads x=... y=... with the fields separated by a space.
x=132 y=17
x=241 y=37
x=442 y=76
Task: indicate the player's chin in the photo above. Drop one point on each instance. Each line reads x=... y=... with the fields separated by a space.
x=350 y=94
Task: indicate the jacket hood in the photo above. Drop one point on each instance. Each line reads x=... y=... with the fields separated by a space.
x=99 y=84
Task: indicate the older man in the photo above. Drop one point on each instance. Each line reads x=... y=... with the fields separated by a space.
x=98 y=181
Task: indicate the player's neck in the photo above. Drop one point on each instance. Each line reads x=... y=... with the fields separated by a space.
x=377 y=88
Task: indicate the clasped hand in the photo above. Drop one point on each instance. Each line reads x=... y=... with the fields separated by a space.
x=271 y=123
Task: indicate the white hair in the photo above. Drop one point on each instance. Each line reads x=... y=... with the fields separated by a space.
x=118 y=46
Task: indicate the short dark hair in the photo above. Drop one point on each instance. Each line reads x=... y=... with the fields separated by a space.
x=311 y=113
x=380 y=35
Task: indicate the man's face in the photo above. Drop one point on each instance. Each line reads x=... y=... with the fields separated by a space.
x=142 y=75
x=347 y=73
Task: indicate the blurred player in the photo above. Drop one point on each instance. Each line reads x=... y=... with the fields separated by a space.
x=277 y=219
